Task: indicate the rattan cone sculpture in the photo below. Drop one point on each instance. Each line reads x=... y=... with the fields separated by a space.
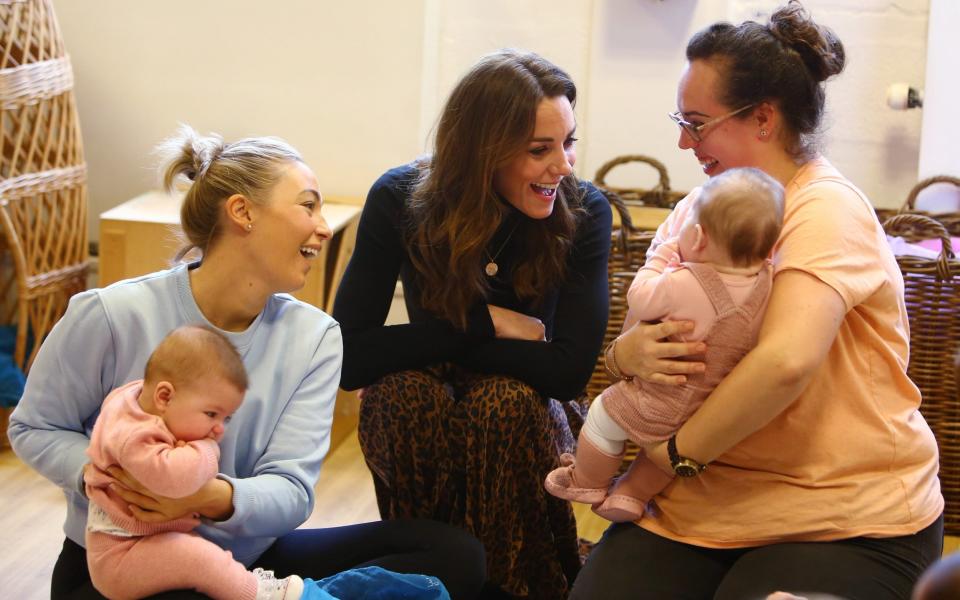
x=43 y=203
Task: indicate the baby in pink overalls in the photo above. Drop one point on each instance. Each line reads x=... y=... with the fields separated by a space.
x=716 y=273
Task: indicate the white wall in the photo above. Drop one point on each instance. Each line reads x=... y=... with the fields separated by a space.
x=942 y=94
x=357 y=86
x=339 y=80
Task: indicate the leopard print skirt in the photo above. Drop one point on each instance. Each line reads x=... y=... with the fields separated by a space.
x=473 y=450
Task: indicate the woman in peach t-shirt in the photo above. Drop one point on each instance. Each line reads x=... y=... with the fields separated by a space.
x=821 y=472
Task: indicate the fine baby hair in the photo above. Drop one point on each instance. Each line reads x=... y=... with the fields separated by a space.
x=192 y=352
x=742 y=209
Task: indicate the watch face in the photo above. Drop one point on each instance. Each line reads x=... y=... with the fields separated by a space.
x=686 y=470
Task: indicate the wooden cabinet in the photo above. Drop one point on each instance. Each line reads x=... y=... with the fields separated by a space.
x=143 y=234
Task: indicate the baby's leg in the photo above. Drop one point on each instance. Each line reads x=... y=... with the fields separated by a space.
x=586 y=476
x=143 y=566
x=630 y=494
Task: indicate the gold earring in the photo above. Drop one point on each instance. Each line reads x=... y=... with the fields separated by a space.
x=763 y=133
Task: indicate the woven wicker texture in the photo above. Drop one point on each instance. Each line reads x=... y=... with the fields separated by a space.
x=932 y=290
x=627 y=254
x=43 y=203
x=660 y=195
x=950 y=220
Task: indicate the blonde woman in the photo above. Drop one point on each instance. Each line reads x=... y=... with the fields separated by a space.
x=253 y=210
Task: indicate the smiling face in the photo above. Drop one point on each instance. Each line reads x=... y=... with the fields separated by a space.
x=529 y=180
x=730 y=142
x=288 y=229
x=198 y=410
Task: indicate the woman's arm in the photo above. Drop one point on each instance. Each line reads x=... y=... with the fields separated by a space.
x=213 y=500
x=68 y=381
x=801 y=323
x=561 y=367
x=827 y=262
x=277 y=495
x=371 y=349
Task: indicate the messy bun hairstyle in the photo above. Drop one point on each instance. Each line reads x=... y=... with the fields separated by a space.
x=784 y=62
x=217 y=170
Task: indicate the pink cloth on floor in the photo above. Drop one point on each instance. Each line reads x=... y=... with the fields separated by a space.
x=935 y=244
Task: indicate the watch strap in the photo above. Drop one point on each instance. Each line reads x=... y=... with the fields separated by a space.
x=683 y=466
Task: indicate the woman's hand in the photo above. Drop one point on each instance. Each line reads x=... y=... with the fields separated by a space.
x=509 y=324
x=214 y=500
x=641 y=353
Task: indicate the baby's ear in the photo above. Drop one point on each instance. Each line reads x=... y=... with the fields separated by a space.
x=162 y=395
x=700 y=242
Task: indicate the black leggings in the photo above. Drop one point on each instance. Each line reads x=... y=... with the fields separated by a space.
x=403 y=546
x=631 y=562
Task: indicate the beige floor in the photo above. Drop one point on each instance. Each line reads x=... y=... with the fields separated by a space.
x=32 y=512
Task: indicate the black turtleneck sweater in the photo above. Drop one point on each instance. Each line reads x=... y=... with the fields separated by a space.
x=574 y=314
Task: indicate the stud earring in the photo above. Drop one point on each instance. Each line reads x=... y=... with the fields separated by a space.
x=763 y=133
x=249 y=226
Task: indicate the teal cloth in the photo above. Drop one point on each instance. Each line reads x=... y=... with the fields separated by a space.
x=374 y=583
x=12 y=379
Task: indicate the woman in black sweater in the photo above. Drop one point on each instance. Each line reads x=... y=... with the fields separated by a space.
x=502 y=252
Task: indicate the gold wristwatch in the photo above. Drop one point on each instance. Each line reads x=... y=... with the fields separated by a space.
x=682 y=466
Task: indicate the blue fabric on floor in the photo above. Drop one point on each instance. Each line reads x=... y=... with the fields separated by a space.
x=374 y=583
x=11 y=377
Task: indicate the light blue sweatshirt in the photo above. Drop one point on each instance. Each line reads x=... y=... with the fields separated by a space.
x=275 y=442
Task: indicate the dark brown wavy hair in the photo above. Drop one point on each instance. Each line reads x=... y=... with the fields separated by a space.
x=784 y=62
x=454 y=211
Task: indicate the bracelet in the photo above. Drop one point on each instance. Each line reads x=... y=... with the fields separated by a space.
x=610 y=362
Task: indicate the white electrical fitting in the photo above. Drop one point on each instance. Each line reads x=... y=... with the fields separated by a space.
x=900 y=96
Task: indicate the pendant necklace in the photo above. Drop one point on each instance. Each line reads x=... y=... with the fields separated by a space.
x=492 y=268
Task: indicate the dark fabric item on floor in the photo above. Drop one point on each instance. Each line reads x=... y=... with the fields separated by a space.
x=12 y=378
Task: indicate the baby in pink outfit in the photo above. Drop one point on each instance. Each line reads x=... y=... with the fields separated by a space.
x=716 y=273
x=163 y=431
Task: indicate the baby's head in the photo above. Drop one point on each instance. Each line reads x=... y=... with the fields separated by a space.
x=941 y=581
x=194 y=381
x=735 y=221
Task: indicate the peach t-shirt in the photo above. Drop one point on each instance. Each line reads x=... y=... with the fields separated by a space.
x=852 y=456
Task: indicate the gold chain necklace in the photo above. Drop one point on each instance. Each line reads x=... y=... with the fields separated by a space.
x=492 y=268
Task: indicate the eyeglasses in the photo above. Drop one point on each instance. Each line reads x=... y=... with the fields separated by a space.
x=694 y=130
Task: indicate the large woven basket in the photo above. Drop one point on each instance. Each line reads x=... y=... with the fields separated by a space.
x=628 y=252
x=950 y=220
x=932 y=290
x=43 y=216
x=660 y=195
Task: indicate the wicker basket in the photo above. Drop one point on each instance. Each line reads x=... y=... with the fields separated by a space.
x=43 y=216
x=628 y=251
x=661 y=195
x=949 y=220
x=932 y=290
